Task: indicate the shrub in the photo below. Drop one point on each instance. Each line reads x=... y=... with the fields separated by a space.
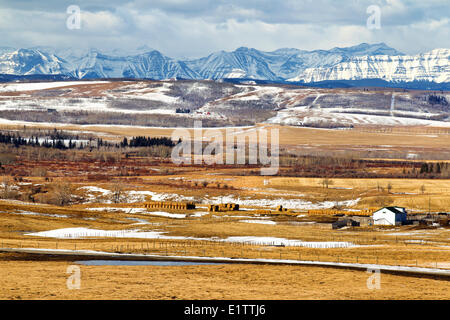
x=39 y=172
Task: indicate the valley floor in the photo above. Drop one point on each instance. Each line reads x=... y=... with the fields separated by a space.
x=100 y=219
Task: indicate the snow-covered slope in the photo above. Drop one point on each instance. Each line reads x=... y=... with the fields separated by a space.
x=280 y=64
x=221 y=64
x=217 y=104
x=30 y=61
x=91 y=64
x=151 y=65
x=432 y=66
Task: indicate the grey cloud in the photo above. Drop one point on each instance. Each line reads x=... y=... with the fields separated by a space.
x=269 y=11
x=188 y=27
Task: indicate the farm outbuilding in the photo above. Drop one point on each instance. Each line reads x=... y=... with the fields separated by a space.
x=346 y=222
x=223 y=207
x=170 y=205
x=389 y=216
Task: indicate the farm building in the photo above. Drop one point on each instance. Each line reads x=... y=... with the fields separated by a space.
x=170 y=205
x=346 y=222
x=389 y=216
x=223 y=207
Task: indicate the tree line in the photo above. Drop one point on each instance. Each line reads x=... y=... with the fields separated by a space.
x=17 y=141
x=435 y=99
x=59 y=141
x=142 y=141
x=340 y=167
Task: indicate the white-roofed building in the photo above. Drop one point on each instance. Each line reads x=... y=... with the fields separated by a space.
x=389 y=216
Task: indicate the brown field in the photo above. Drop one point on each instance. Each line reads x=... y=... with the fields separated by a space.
x=425 y=137
x=25 y=277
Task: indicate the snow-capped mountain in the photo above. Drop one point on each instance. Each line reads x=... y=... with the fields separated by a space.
x=151 y=65
x=281 y=64
x=433 y=67
x=251 y=63
x=91 y=64
x=30 y=61
x=364 y=61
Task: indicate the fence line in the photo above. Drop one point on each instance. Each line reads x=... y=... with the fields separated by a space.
x=170 y=248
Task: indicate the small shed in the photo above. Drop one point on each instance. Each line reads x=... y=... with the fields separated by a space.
x=345 y=223
x=389 y=216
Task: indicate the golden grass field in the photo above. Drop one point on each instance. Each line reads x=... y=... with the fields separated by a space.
x=405 y=137
x=47 y=280
x=26 y=277
x=381 y=245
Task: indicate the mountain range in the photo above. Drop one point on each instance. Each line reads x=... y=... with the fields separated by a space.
x=361 y=62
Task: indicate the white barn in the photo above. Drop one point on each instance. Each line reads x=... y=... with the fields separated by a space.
x=389 y=216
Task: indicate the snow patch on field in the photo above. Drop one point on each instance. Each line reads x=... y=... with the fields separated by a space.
x=65 y=104
x=302 y=116
x=166 y=214
x=15 y=87
x=142 y=92
x=411 y=233
x=142 y=211
x=289 y=243
x=259 y=221
x=199 y=214
x=139 y=196
x=126 y=210
x=79 y=233
x=293 y=203
x=134 y=195
x=96 y=189
x=286 y=203
x=94 y=192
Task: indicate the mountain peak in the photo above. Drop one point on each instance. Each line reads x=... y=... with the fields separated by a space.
x=287 y=51
x=361 y=61
x=243 y=49
x=366 y=49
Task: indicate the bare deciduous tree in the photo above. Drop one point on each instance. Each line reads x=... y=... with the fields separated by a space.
x=326 y=182
x=389 y=187
x=118 y=192
x=62 y=192
x=422 y=189
x=8 y=187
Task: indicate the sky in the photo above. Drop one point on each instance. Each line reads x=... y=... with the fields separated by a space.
x=196 y=28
